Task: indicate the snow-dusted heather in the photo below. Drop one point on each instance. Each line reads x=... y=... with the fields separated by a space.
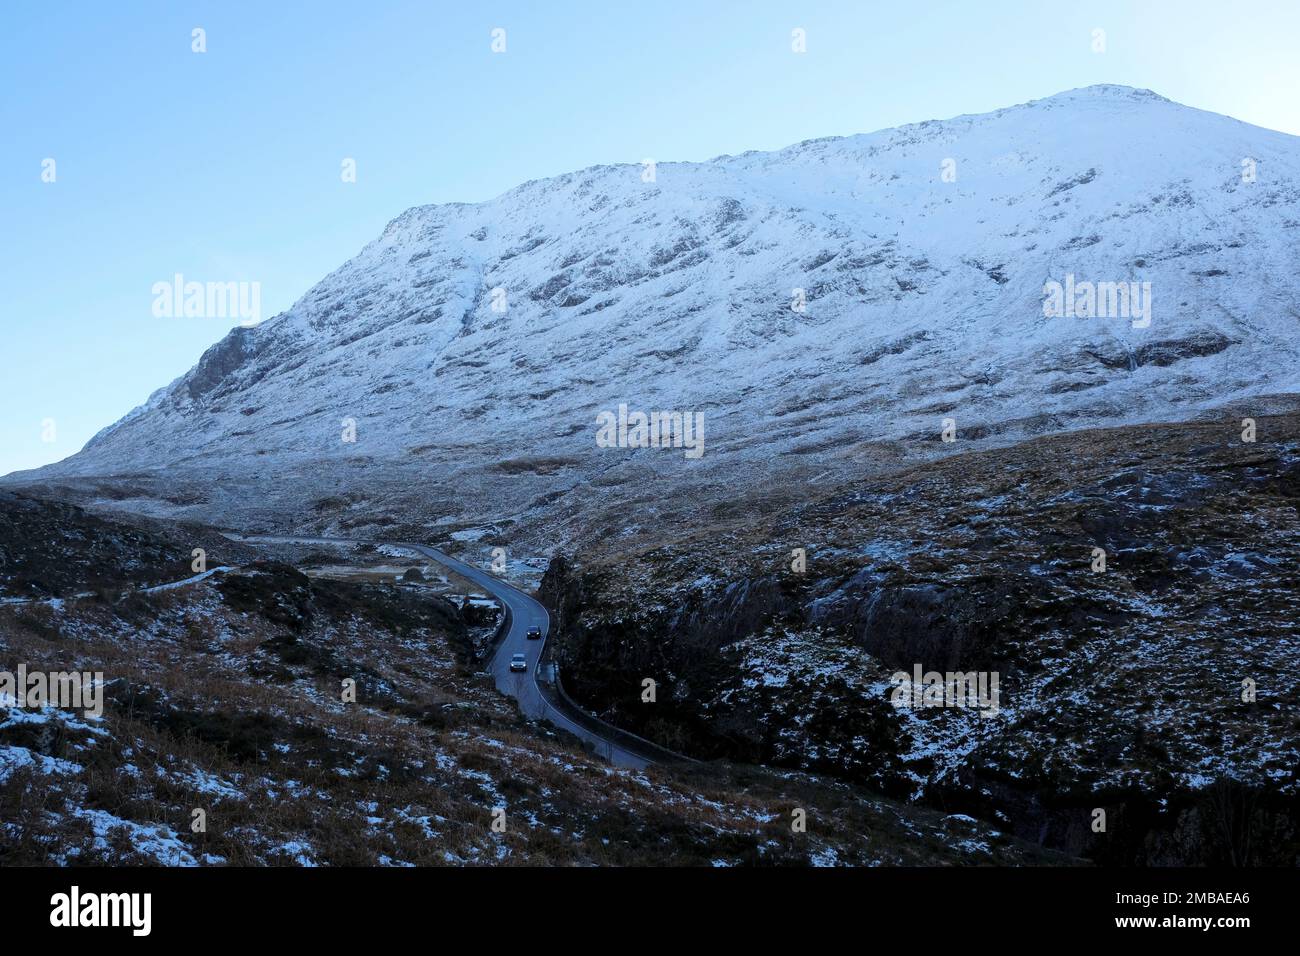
x=13 y=758
x=158 y=842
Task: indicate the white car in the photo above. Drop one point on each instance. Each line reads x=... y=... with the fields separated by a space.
x=518 y=663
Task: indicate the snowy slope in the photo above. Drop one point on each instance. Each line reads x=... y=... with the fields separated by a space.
x=924 y=301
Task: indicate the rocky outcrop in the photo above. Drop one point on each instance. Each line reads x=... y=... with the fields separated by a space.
x=1121 y=684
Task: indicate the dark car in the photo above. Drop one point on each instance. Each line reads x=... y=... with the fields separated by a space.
x=534 y=633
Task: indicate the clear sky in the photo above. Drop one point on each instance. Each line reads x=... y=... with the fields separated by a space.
x=226 y=165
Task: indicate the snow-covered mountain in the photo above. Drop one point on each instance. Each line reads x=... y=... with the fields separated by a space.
x=475 y=345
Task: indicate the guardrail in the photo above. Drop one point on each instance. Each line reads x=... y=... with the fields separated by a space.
x=503 y=628
x=568 y=707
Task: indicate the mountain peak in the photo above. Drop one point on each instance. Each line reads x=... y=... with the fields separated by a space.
x=1105 y=90
x=472 y=346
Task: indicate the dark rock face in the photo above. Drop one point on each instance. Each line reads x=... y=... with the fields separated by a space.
x=1168 y=351
x=702 y=708
x=955 y=628
x=741 y=608
x=1161 y=352
x=219 y=362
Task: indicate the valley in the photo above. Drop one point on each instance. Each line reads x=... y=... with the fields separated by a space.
x=990 y=397
x=225 y=739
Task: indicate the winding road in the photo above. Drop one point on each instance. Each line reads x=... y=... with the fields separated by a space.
x=524 y=613
x=619 y=748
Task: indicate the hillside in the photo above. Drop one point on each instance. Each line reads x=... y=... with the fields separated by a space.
x=924 y=302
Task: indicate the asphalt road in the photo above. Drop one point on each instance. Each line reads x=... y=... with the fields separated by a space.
x=524 y=613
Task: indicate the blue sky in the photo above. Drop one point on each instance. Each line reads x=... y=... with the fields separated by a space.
x=225 y=165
